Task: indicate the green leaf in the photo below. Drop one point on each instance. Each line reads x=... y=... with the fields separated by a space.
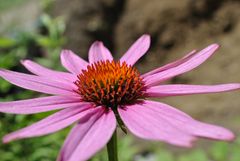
x=7 y=42
x=126 y=148
x=164 y=155
x=47 y=42
x=4 y=86
x=198 y=155
x=46 y=20
x=219 y=151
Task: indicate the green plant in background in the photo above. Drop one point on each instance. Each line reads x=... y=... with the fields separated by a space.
x=33 y=45
x=13 y=49
x=4 y=5
x=55 y=29
x=52 y=42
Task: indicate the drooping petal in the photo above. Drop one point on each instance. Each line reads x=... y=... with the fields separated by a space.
x=170 y=65
x=147 y=124
x=137 y=50
x=182 y=89
x=188 y=65
x=73 y=139
x=43 y=71
x=98 y=52
x=72 y=62
x=88 y=136
x=39 y=84
x=187 y=124
x=52 y=123
x=38 y=105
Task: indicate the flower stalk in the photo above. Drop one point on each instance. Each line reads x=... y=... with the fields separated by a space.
x=112 y=148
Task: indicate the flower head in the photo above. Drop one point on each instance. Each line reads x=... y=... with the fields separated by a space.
x=96 y=94
x=110 y=84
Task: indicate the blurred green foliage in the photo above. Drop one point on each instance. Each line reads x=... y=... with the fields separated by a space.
x=44 y=46
x=6 y=4
x=219 y=151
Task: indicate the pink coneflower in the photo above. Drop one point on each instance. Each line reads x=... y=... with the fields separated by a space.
x=99 y=94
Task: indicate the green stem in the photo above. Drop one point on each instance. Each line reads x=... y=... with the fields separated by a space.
x=112 y=148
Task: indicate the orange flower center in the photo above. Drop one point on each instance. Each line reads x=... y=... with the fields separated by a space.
x=110 y=83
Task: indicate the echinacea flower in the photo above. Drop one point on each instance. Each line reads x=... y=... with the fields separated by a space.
x=100 y=94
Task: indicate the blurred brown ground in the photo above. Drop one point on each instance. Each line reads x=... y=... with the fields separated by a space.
x=176 y=27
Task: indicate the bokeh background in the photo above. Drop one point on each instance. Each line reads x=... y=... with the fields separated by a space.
x=39 y=29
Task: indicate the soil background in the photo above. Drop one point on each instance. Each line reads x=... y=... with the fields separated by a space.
x=176 y=27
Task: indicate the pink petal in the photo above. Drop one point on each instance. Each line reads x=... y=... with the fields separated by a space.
x=72 y=62
x=88 y=137
x=52 y=123
x=38 y=105
x=98 y=52
x=43 y=71
x=39 y=84
x=170 y=65
x=187 y=124
x=188 y=65
x=73 y=139
x=182 y=89
x=137 y=50
x=147 y=124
